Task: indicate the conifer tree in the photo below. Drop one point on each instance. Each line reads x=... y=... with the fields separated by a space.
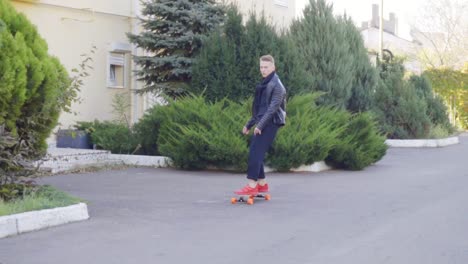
x=172 y=35
x=400 y=112
x=321 y=40
x=216 y=71
x=364 y=74
x=228 y=64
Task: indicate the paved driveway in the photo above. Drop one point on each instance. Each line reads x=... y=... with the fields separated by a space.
x=411 y=207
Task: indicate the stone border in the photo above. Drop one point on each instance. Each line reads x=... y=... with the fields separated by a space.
x=314 y=167
x=11 y=225
x=142 y=160
x=317 y=166
x=162 y=162
x=422 y=143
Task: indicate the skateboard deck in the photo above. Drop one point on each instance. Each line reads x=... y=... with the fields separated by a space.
x=249 y=199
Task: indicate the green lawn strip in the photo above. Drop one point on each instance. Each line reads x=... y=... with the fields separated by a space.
x=45 y=198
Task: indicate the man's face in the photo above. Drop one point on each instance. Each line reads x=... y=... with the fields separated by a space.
x=266 y=68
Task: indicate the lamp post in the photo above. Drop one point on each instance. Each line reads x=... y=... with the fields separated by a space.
x=381 y=30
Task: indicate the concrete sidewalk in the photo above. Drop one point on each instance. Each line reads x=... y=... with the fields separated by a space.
x=408 y=208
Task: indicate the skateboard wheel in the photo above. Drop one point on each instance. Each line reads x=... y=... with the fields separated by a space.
x=233 y=200
x=250 y=201
x=267 y=197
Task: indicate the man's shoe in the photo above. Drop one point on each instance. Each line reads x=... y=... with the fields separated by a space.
x=247 y=190
x=262 y=189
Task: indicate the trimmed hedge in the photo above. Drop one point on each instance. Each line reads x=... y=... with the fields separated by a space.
x=196 y=134
x=308 y=136
x=359 y=144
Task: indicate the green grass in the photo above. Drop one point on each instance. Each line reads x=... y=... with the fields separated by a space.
x=46 y=197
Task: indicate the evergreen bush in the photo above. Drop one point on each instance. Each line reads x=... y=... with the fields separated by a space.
x=113 y=136
x=408 y=108
x=436 y=109
x=32 y=86
x=31 y=81
x=147 y=130
x=196 y=134
x=308 y=136
x=400 y=112
x=358 y=145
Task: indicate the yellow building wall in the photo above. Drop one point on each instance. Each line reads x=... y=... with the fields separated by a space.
x=71 y=28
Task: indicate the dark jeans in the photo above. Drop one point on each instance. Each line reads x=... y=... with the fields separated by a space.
x=258 y=148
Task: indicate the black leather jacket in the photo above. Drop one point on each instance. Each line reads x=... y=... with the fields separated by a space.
x=276 y=96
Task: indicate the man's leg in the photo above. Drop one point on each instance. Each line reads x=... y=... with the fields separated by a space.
x=261 y=174
x=258 y=149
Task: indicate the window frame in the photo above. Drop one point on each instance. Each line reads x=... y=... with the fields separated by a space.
x=118 y=59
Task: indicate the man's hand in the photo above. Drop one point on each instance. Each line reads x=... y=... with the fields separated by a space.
x=245 y=131
x=257 y=131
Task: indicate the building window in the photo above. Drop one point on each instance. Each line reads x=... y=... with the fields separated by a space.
x=116 y=70
x=282 y=3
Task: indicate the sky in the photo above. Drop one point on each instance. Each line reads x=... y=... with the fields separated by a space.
x=361 y=10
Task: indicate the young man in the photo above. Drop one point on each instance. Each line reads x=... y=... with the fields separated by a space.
x=268 y=114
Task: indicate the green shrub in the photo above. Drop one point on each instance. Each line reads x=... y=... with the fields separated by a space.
x=116 y=137
x=436 y=109
x=452 y=86
x=308 y=136
x=359 y=144
x=196 y=134
x=400 y=112
x=147 y=130
x=440 y=131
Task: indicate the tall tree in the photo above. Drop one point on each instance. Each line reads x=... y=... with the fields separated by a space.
x=217 y=70
x=228 y=62
x=365 y=76
x=171 y=36
x=321 y=40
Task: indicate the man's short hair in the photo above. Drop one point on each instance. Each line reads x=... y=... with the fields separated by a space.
x=268 y=58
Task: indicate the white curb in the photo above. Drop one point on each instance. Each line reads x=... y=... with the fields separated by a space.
x=35 y=220
x=142 y=160
x=314 y=167
x=422 y=143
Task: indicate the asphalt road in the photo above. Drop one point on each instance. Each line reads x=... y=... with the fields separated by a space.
x=411 y=207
